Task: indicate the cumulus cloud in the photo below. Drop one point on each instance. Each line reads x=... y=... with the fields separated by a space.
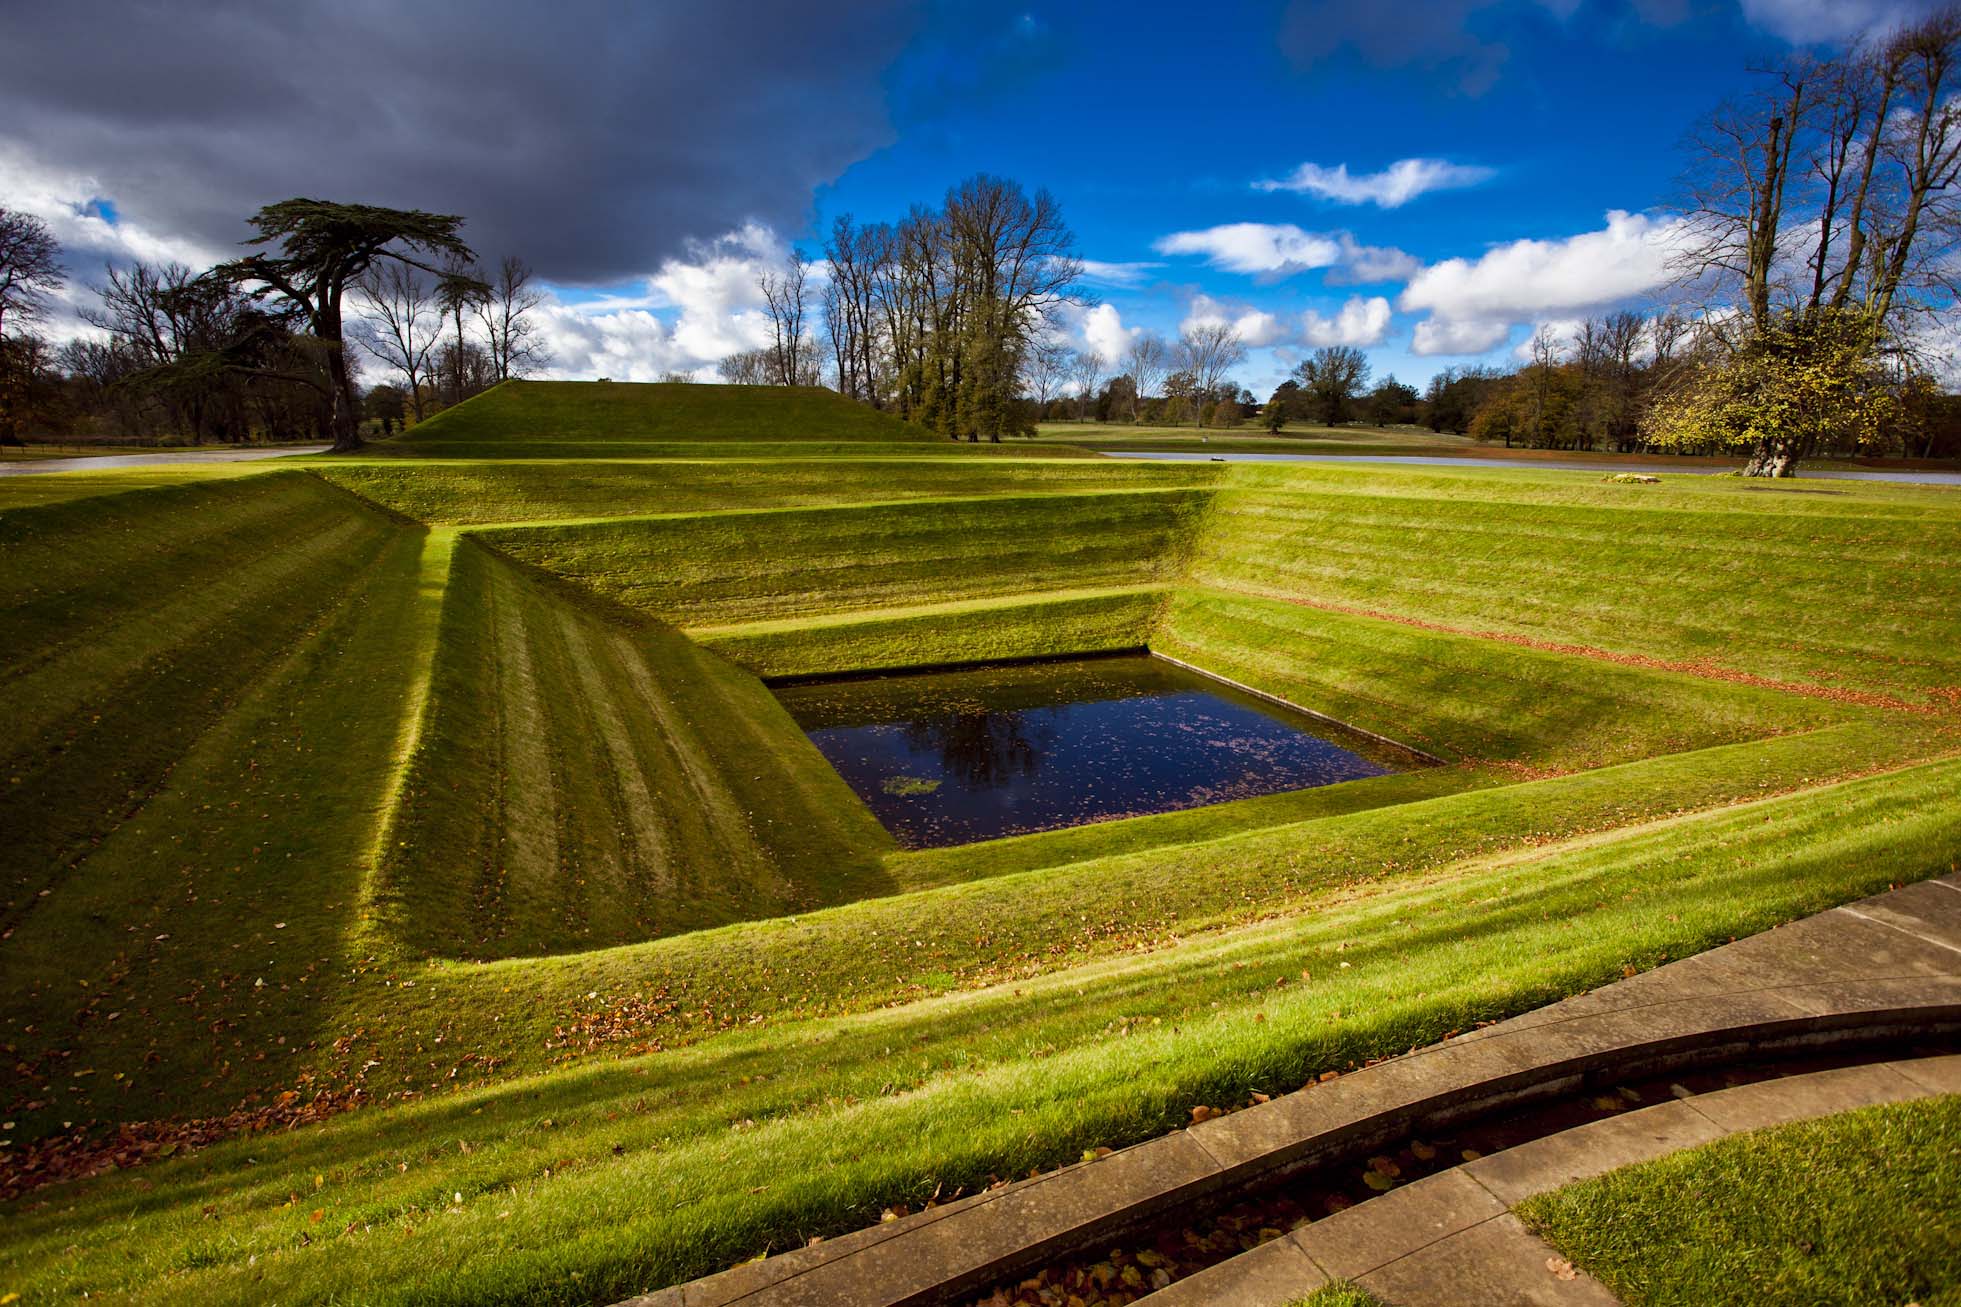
x=1103 y=331
x=1391 y=188
x=1256 y=327
x=1257 y=248
x=1565 y=334
x=1364 y=265
x=1813 y=22
x=697 y=309
x=593 y=138
x=1474 y=300
x=1270 y=251
x=1360 y=322
x=1442 y=336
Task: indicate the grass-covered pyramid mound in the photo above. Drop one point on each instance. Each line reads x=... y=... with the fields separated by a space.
x=571 y=419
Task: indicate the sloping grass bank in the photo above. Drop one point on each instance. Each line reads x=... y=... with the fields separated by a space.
x=744 y=567
x=602 y=1181
x=626 y=411
x=588 y=776
x=1802 y=587
x=477 y=493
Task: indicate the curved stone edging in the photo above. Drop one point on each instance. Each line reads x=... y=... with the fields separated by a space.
x=1882 y=969
x=1450 y=1238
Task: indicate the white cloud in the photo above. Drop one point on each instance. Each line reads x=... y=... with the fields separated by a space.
x=1628 y=257
x=79 y=212
x=1443 y=336
x=1256 y=327
x=1936 y=340
x=1118 y=274
x=1475 y=300
x=1565 y=333
x=1811 y=22
x=711 y=302
x=1271 y=251
x=1360 y=322
x=1104 y=332
x=1363 y=265
x=1391 y=188
x=1257 y=248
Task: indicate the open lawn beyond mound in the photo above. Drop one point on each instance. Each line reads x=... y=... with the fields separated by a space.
x=410 y=860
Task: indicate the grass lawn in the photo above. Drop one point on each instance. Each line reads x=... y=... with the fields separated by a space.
x=1251 y=437
x=1338 y=1295
x=1859 y=1208
x=447 y=790
x=1308 y=438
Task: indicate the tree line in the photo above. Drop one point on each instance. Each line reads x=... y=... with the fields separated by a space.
x=267 y=346
x=933 y=317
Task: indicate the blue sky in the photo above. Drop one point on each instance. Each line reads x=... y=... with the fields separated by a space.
x=650 y=166
x=1149 y=120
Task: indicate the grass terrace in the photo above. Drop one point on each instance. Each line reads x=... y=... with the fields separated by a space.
x=419 y=885
x=1856 y=1208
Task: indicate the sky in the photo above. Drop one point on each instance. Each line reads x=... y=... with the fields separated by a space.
x=1429 y=180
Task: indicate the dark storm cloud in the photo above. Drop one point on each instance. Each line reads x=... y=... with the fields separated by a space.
x=594 y=138
x=1463 y=41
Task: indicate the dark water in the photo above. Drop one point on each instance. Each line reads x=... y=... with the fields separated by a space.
x=954 y=757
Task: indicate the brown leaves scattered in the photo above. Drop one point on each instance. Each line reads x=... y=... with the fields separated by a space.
x=78 y=1153
x=624 y=1025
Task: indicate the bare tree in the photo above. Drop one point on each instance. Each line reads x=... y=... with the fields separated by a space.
x=1207 y=351
x=1545 y=356
x=1863 y=151
x=1145 y=361
x=1086 y=369
x=30 y=267
x=1045 y=368
x=509 y=333
x=1665 y=333
x=751 y=367
x=1013 y=264
x=459 y=289
x=400 y=325
x=851 y=307
x=159 y=317
x=792 y=358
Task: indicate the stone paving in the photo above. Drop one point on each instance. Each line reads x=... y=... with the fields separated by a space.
x=1887 y=967
x=1451 y=1238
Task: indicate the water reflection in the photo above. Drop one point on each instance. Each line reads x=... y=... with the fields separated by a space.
x=953 y=757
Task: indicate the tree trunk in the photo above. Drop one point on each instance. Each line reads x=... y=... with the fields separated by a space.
x=343 y=404
x=1772 y=458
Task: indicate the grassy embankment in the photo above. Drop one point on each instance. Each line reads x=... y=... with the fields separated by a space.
x=616 y=419
x=1864 y=1207
x=974 y=1011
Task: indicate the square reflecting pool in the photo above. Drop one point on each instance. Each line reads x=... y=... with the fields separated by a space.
x=975 y=754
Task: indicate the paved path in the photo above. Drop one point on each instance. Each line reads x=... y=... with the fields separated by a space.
x=1557 y=464
x=103 y=462
x=1884 y=969
x=1451 y=1238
